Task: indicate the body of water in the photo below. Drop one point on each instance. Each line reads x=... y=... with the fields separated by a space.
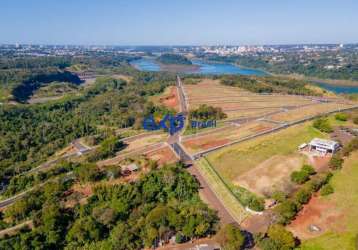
x=339 y=89
x=148 y=64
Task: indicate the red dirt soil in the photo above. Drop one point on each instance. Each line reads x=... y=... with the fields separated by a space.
x=194 y=143
x=172 y=100
x=321 y=163
x=318 y=212
x=257 y=223
x=162 y=156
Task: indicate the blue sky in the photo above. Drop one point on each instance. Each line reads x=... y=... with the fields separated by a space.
x=178 y=22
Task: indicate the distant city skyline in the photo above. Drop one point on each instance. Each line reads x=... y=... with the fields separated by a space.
x=184 y=22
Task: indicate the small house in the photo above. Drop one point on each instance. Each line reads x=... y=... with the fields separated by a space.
x=323 y=146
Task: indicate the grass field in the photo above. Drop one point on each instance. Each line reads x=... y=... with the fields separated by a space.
x=303 y=112
x=221 y=190
x=345 y=198
x=236 y=160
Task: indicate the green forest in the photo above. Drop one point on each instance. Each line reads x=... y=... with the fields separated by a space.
x=162 y=204
x=174 y=59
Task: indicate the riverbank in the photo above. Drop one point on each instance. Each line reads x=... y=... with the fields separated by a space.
x=336 y=82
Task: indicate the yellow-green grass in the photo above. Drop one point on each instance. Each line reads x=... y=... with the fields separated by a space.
x=345 y=196
x=236 y=160
x=334 y=122
x=304 y=112
x=222 y=192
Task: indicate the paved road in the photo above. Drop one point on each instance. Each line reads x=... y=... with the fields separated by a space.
x=205 y=190
x=11 y=200
x=82 y=149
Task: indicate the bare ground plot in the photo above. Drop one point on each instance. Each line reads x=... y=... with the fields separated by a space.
x=143 y=141
x=217 y=138
x=307 y=111
x=169 y=98
x=271 y=175
x=234 y=161
x=257 y=223
x=318 y=212
x=162 y=156
x=247 y=113
x=237 y=102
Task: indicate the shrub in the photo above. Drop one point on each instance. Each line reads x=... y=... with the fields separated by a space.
x=336 y=162
x=302 y=196
x=282 y=237
x=205 y=113
x=327 y=190
x=308 y=169
x=341 y=117
x=355 y=120
x=88 y=173
x=230 y=237
x=257 y=204
x=286 y=211
x=350 y=147
x=323 y=125
x=299 y=177
x=279 y=196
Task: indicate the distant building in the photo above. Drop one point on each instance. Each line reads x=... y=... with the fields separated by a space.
x=323 y=145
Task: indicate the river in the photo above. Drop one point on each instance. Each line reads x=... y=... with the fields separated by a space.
x=148 y=64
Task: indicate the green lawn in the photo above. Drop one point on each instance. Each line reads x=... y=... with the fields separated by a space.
x=223 y=193
x=345 y=183
x=235 y=160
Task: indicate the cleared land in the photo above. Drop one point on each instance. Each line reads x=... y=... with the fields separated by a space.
x=341 y=231
x=162 y=156
x=271 y=175
x=237 y=102
x=303 y=112
x=139 y=145
x=169 y=98
x=144 y=142
x=197 y=143
x=234 y=161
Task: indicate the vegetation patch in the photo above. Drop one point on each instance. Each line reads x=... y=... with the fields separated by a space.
x=174 y=59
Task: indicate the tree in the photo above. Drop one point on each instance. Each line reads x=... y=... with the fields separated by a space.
x=88 y=172
x=84 y=230
x=308 y=169
x=336 y=162
x=281 y=236
x=323 y=125
x=341 y=117
x=286 y=211
x=327 y=189
x=279 y=196
x=230 y=237
x=302 y=196
x=299 y=177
